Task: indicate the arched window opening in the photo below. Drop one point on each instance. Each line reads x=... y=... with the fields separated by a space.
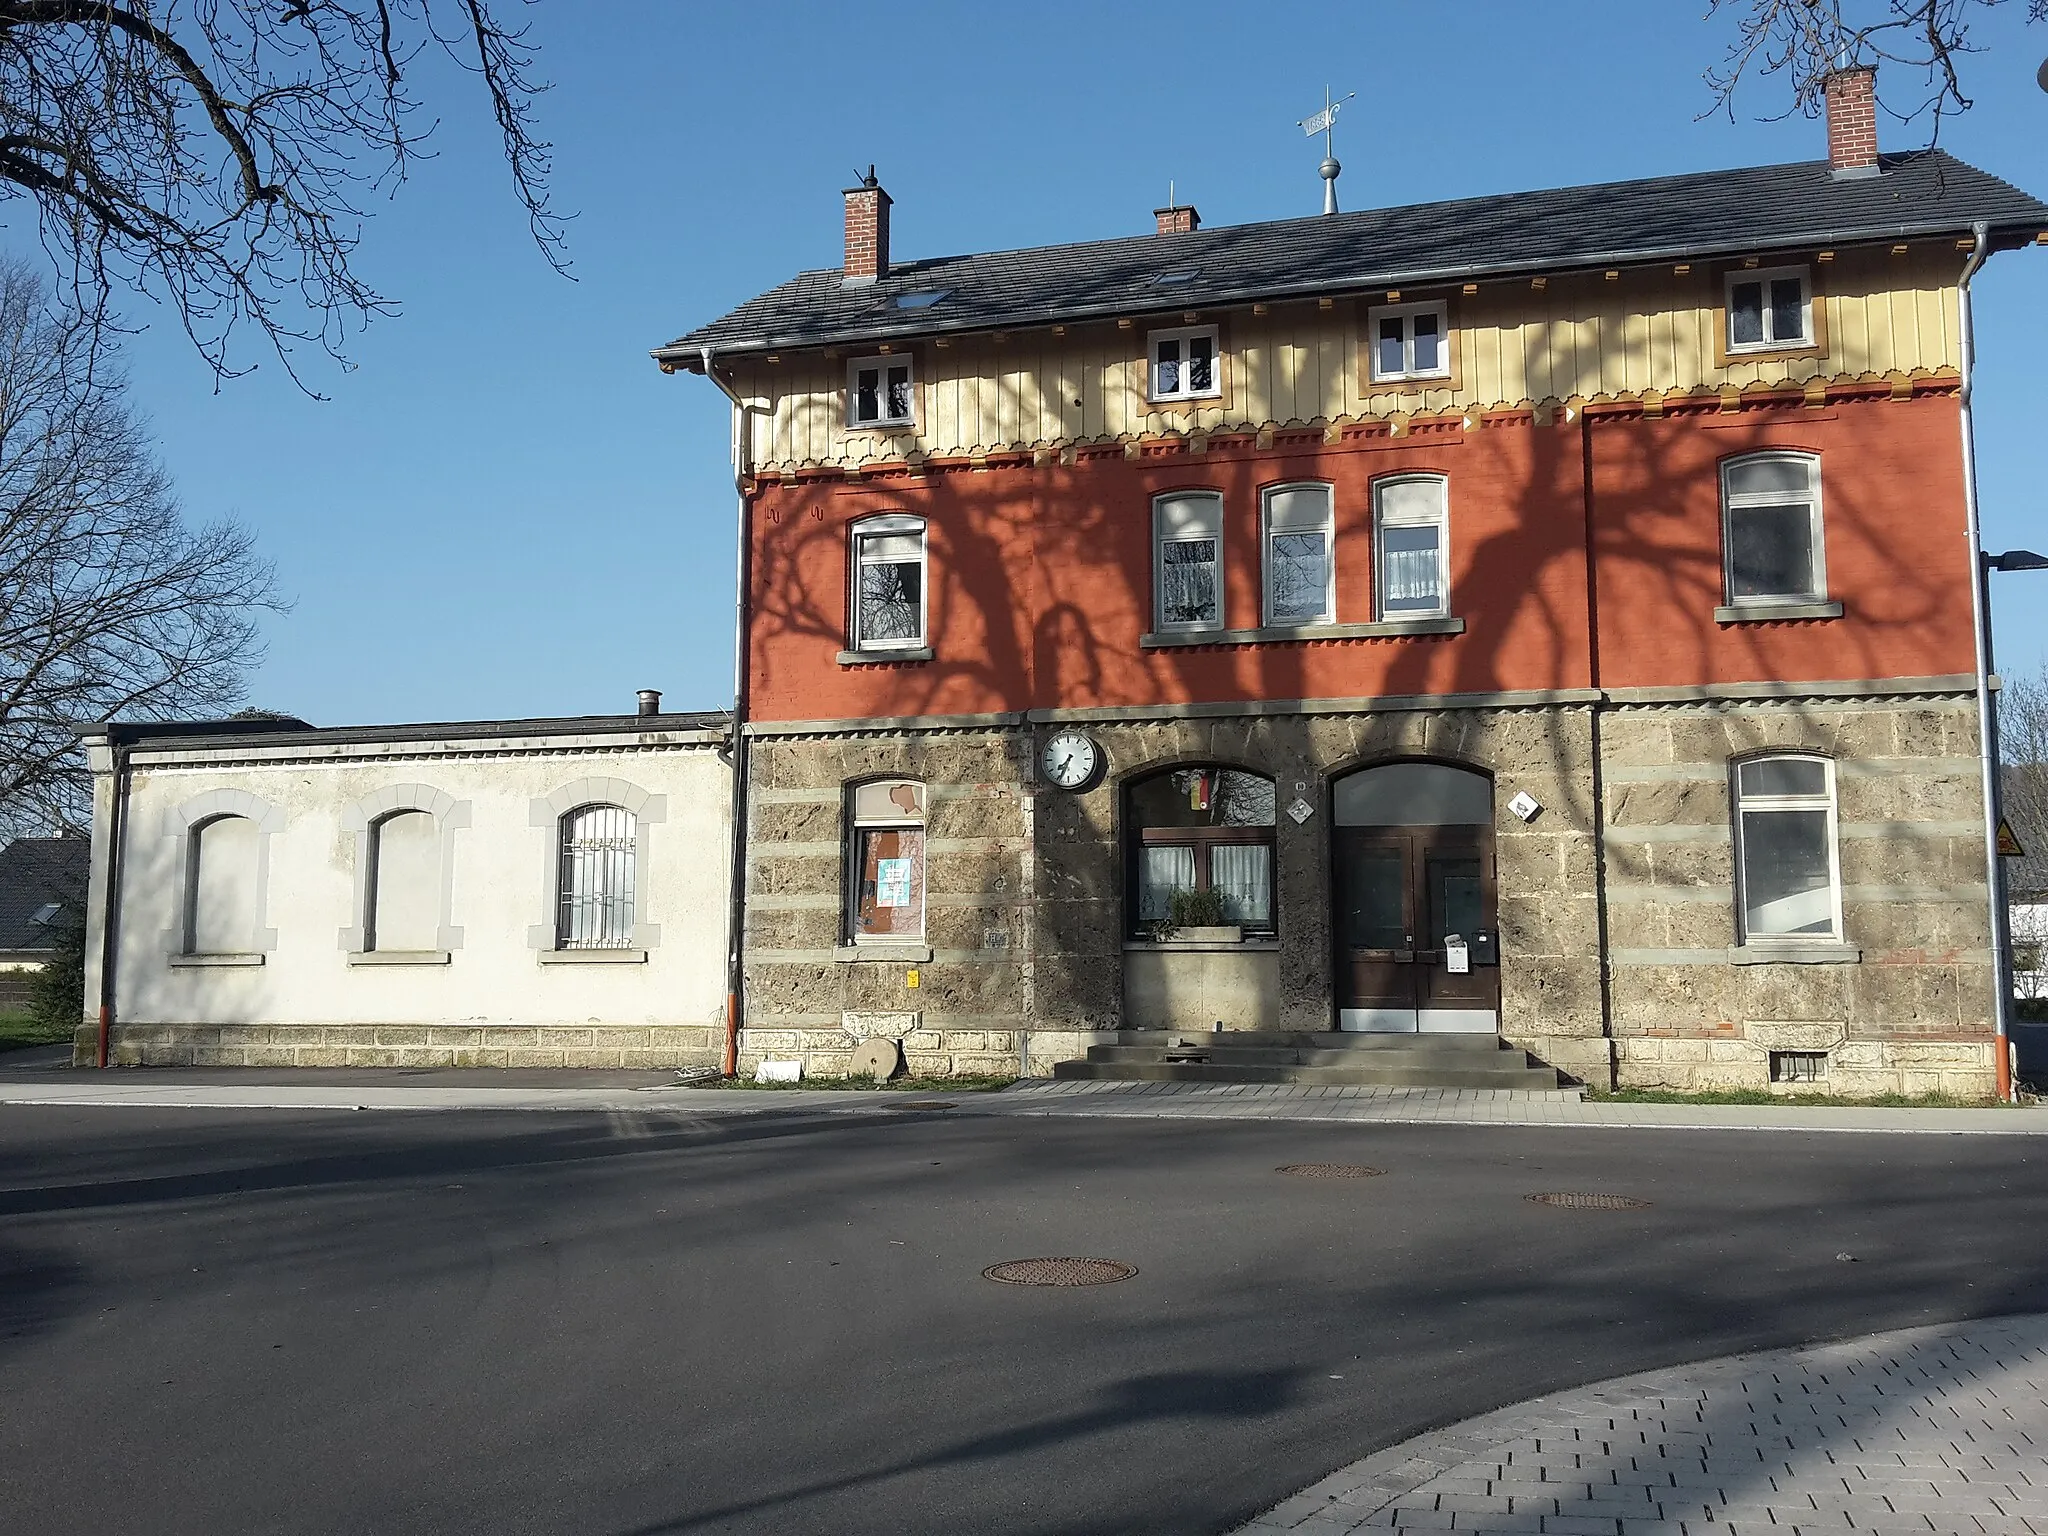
x=404 y=884
x=888 y=584
x=1197 y=830
x=1771 y=529
x=221 y=916
x=596 y=884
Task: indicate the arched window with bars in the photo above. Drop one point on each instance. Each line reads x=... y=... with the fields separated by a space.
x=596 y=884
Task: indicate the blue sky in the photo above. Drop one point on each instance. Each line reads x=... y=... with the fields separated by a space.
x=506 y=510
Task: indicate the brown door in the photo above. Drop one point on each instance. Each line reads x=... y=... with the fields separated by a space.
x=1403 y=893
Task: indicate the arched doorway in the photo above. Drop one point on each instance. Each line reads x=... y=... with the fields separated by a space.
x=1418 y=947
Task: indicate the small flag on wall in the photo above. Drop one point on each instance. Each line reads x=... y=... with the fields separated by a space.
x=1199 y=785
x=2008 y=841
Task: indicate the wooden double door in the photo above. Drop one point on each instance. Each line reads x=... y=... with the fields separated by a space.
x=1403 y=895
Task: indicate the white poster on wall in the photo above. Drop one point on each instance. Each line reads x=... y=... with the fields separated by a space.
x=892 y=882
x=1457 y=956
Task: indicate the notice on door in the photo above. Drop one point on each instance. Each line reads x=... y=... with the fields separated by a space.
x=892 y=882
x=1457 y=955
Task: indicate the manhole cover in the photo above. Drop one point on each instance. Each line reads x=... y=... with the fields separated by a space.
x=1584 y=1202
x=922 y=1104
x=1059 y=1271
x=1329 y=1170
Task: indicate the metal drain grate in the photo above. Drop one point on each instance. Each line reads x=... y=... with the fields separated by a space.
x=1585 y=1202
x=1330 y=1170
x=1059 y=1271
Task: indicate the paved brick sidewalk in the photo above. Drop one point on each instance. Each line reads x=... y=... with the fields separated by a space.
x=1941 y=1429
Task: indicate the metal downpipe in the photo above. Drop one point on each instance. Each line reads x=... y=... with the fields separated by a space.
x=736 y=905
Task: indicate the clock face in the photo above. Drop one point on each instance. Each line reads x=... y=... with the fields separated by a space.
x=1071 y=759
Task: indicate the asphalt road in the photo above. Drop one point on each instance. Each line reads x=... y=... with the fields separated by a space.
x=636 y=1324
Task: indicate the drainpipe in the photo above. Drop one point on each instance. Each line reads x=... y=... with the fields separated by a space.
x=110 y=919
x=1987 y=716
x=736 y=910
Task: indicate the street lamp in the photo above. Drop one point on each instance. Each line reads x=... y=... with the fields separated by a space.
x=2001 y=938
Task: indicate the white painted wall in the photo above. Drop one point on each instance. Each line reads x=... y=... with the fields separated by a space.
x=497 y=918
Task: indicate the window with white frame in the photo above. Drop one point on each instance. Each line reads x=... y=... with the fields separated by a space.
x=1410 y=341
x=1788 y=878
x=885 y=862
x=879 y=392
x=595 y=885
x=1300 y=574
x=1187 y=561
x=888 y=607
x=1182 y=364
x=1411 y=526
x=1771 y=540
x=1769 y=309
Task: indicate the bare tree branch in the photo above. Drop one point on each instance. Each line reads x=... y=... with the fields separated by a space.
x=212 y=154
x=1917 y=46
x=109 y=604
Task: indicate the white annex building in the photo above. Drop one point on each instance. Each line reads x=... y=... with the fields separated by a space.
x=495 y=893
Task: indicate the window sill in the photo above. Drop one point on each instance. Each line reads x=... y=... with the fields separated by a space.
x=898 y=954
x=195 y=962
x=1203 y=946
x=1766 y=613
x=907 y=424
x=883 y=658
x=591 y=956
x=1168 y=402
x=1387 y=629
x=1397 y=379
x=1819 y=952
x=399 y=957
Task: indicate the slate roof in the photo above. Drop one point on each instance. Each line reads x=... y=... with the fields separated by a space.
x=34 y=872
x=1711 y=213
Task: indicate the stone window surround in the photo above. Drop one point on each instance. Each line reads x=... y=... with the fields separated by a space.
x=546 y=812
x=184 y=823
x=359 y=822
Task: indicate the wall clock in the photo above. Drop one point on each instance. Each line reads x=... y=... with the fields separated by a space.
x=1072 y=759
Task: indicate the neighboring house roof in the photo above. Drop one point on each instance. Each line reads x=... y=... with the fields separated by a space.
x=1746 y=211
x=40 y=878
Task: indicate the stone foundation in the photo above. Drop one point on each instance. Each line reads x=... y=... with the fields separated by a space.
x=653 y=1046
x=1855 y=1068
x=944 y=1052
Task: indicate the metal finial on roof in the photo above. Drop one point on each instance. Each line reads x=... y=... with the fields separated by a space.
x=1320 y=123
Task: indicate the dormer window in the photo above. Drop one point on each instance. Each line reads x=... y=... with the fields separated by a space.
x=1183 y=364
x=1410 y=341
x=879 y=393
x=1769 y=310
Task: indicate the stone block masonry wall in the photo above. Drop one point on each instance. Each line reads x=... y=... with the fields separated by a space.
x=1025 y=911
x=1906 y=1005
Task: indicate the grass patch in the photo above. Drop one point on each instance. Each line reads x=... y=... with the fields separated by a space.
x=18 y=1030
x=865 y=1084
x=1761 y=1096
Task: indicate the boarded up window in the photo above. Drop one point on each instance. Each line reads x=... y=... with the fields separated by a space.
x=221 y=893
x=405 y=883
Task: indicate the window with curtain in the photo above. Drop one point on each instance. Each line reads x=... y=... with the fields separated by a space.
x=1201 y=828
x=885 y=862
x=879 y=393
x=1771 y=528
x=1788 y=878
x=595 y=891
x=1187 y=536
x=1411 y=525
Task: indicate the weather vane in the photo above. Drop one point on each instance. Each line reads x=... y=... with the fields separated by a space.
x=1320 y=123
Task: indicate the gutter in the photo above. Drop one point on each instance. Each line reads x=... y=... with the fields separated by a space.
x=1987 y=718
x=110 y=918
x=736 y=906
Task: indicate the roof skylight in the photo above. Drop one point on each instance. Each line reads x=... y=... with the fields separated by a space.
x=924 y=299
x=1176 y=275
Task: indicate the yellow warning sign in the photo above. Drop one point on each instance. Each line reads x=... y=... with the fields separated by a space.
x=2008 y=841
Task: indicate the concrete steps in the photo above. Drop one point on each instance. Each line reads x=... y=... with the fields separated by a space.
x=1324 y=1059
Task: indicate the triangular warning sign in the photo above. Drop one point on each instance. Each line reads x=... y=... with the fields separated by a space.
x=2008 y=841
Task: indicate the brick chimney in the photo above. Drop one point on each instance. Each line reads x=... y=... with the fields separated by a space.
x=1852 y=122
x=867 y=231
x=1177 y=220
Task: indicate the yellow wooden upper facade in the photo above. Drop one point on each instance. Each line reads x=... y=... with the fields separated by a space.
x=1879 y=312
